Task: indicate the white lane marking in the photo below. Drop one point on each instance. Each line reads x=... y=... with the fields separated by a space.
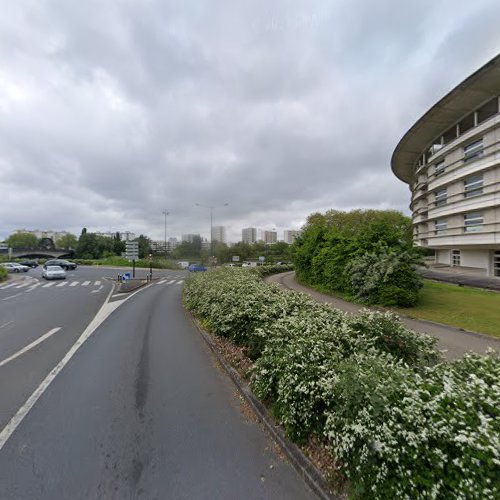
x=98 y=290
x=161 y=282
x=48 y=284
x=180 y=282
x=6 y=324
x=105 y=310
x=74 y=283
x=12 y=296
x=32 y=287
x=30 y=346
x=22 y=285
x=170 y=282
x=86 y=283
x=8 y=286
x=62 y=284
x=97 y=283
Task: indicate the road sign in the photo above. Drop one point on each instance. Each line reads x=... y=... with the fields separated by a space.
x=126 y=277
x=236 y=258
x=262 y=258
x=131 y=250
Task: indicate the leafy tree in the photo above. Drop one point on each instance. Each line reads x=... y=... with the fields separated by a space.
x=68 y=241
x=22 y=240
x=144 y=246
x=364 y=253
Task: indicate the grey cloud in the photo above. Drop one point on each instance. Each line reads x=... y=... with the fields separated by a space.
x=112 y=111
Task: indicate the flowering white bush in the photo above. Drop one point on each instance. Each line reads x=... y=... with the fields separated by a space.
x=403 y=434
x=401 y=424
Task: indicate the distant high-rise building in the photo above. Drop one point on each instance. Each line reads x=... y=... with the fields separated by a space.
x=190 y=238
x=219 y=234
x=269 y=237
x=289 y=236
x=249 y=235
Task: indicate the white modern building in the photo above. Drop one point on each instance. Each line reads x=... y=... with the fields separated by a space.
x=450 y=160
x=124 y=236
x=190 y=238
x=219 y=234
x=289 y=235
x=269 y=237
x=249 y=235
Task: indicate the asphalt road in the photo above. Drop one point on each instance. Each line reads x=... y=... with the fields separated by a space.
x=138 y=410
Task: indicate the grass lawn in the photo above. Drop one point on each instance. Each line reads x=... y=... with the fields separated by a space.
x=468 y=308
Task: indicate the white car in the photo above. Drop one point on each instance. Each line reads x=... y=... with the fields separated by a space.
x=12 y=267
x=54 y=273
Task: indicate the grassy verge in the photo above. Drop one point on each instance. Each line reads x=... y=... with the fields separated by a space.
x=469 y=308
x=122 y=262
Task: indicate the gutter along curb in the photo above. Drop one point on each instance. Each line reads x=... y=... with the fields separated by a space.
x=309 y=473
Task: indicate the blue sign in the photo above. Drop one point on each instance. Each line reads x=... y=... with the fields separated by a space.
x=126 y=277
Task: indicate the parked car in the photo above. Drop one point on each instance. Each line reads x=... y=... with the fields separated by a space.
x=29 y=263
x=65 y=264
x=196 y=268
x=53 y=273
x=183 y=263
x=14 y=267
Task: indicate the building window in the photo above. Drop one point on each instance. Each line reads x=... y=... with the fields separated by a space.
x=440 y=226
x=440 y=197
x=496 y=263
x=473 y=186
x=439 y=168
x=466 y=124
x=473 y=222
x=455 y=257
x=487 y=110
x=473 y=150
x=450 y=135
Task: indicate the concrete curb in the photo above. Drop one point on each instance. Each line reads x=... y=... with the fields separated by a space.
x=299 y=461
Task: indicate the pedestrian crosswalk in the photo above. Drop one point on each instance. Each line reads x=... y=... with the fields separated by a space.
x=32 y=284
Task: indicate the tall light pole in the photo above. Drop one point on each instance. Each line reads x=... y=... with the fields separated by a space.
x=211 y=207
x=165 y=213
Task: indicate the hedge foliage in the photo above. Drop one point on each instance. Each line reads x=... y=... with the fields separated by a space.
x=367 y=254
x=400 y=422
x=3 y=273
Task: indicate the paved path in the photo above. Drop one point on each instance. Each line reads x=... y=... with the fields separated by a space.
x=453 y=341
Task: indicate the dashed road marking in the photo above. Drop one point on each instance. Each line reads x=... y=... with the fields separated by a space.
x=30 y=346
x=7 y=286
x=59 y=285
x=74 y=283
x=97 y=283
x=12 y=296
x=180 y=282
x=48 y=284
x=86 y=283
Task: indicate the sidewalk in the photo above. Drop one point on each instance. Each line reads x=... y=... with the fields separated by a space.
x=453 y=341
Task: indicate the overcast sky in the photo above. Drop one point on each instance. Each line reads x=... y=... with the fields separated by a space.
x=112 y=111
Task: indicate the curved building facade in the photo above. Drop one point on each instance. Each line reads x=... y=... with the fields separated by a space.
x=450 y=159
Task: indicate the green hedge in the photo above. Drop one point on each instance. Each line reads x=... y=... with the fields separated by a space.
x=399 y=421
x=3 y=273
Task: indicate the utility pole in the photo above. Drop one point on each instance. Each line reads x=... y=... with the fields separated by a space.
x=165 y=213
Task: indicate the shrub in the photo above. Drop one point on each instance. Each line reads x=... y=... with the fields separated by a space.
x=403 y=434
x=3 y=273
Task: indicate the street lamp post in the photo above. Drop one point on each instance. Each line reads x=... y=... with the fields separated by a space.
x=165 y=213
x=211 y=208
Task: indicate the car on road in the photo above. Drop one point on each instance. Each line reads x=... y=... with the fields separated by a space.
x=14 y=267
x=29 y=263
x=65 y=264
x=53 y=273
x=196 y=268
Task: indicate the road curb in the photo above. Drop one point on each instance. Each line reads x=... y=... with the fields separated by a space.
x=309 y=473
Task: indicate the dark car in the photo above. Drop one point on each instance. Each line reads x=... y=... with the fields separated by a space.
x=29 y=263
x=65 y=264
x=196 y=268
